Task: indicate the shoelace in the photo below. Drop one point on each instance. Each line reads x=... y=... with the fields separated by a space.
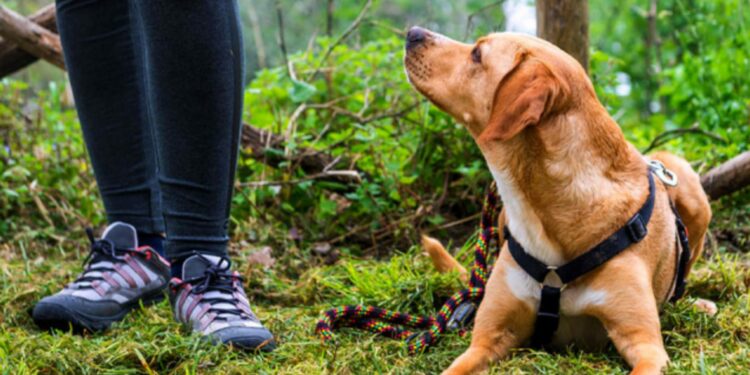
x=102 y=250
x=218 y=278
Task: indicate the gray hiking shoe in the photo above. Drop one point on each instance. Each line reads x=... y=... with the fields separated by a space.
x=118 y=276
x=212 y=302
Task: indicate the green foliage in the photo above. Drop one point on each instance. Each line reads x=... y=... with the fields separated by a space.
x=45 y=180
x=693 y=74
x=360 y=108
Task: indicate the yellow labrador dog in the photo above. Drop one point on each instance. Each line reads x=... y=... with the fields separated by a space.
x=568 y=180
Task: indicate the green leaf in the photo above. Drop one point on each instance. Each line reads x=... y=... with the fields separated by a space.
x=301 y=91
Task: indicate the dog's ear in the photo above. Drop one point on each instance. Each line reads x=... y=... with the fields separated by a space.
x=524 y=96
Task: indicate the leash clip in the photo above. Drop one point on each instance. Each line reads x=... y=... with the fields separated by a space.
x=462 y=316
x=665 y=175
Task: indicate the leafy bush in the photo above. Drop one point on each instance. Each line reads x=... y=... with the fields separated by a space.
x=46 y=185
x=420 y=169
x=359 y=107
x=693 y=75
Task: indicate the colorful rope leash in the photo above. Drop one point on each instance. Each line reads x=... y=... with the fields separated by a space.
x=455 y=313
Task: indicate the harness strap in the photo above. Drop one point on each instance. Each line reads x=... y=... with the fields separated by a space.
x=633 y=232
x=459 y=310
x=548 y=315
x=682 y=265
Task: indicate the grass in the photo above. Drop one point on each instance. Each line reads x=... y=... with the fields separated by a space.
x=149 y=341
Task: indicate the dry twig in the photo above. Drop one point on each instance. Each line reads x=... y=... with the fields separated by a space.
x=318 y=176
x=676 y=133
x=353 y=26
x=478 y=11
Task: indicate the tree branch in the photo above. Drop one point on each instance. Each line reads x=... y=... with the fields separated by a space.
x=267 y=148
x=676 y=133
x=325 y=175
x=24 y=41
x=474 y=14
x=353 y=26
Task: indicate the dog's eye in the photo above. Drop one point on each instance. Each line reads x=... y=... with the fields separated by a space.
x=476 y=55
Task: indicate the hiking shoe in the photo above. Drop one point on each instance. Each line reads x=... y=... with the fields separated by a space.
x=118 y=276
x=210 y=299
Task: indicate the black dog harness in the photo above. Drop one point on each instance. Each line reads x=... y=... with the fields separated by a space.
x=548 y=315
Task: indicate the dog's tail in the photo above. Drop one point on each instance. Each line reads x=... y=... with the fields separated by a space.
x=442 y=260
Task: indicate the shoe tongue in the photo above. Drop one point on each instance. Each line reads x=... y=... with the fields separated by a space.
x=196 y=265
x=122 y=235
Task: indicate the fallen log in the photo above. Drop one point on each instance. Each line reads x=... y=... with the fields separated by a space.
x=12 y=57
x=268 y=148
x=729 y=177
x=31 y=37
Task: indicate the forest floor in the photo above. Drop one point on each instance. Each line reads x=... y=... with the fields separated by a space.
x=149 y=341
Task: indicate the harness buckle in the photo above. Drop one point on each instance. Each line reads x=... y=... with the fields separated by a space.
x=462 y=316
x=636 y=228
x=665 y=175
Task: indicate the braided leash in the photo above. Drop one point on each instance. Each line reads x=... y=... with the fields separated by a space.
x=392 y=324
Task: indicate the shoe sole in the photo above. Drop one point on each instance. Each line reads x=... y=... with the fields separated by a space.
x=52 y=316
x=262 y=341
x=248 y=343
x=265 y=346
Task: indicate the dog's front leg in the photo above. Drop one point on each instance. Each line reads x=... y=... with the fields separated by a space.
x=631 y=318
x=503 y=322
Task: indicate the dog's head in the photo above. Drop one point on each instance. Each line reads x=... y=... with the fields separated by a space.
x=498 y=86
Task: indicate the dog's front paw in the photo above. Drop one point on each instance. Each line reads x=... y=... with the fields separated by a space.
x=706 y=306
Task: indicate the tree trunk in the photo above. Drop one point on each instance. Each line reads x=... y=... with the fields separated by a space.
x=30 y=37
x=565 y=23
x=329 y=18
x=260 y=47
x=728 y=177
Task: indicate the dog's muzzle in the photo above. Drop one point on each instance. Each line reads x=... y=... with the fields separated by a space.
x=415 y=37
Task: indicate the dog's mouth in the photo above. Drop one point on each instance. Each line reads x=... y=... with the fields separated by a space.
x=416 y=68
x=418 y=74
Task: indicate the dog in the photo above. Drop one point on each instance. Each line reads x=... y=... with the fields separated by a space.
x=568 y=179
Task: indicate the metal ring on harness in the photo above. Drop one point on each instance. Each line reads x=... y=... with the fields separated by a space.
x=553 y=279
x=665 y=175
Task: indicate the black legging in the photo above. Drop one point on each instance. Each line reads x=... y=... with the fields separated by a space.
x=158 y=88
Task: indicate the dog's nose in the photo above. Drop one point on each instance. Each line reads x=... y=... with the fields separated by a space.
x=415 y=36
